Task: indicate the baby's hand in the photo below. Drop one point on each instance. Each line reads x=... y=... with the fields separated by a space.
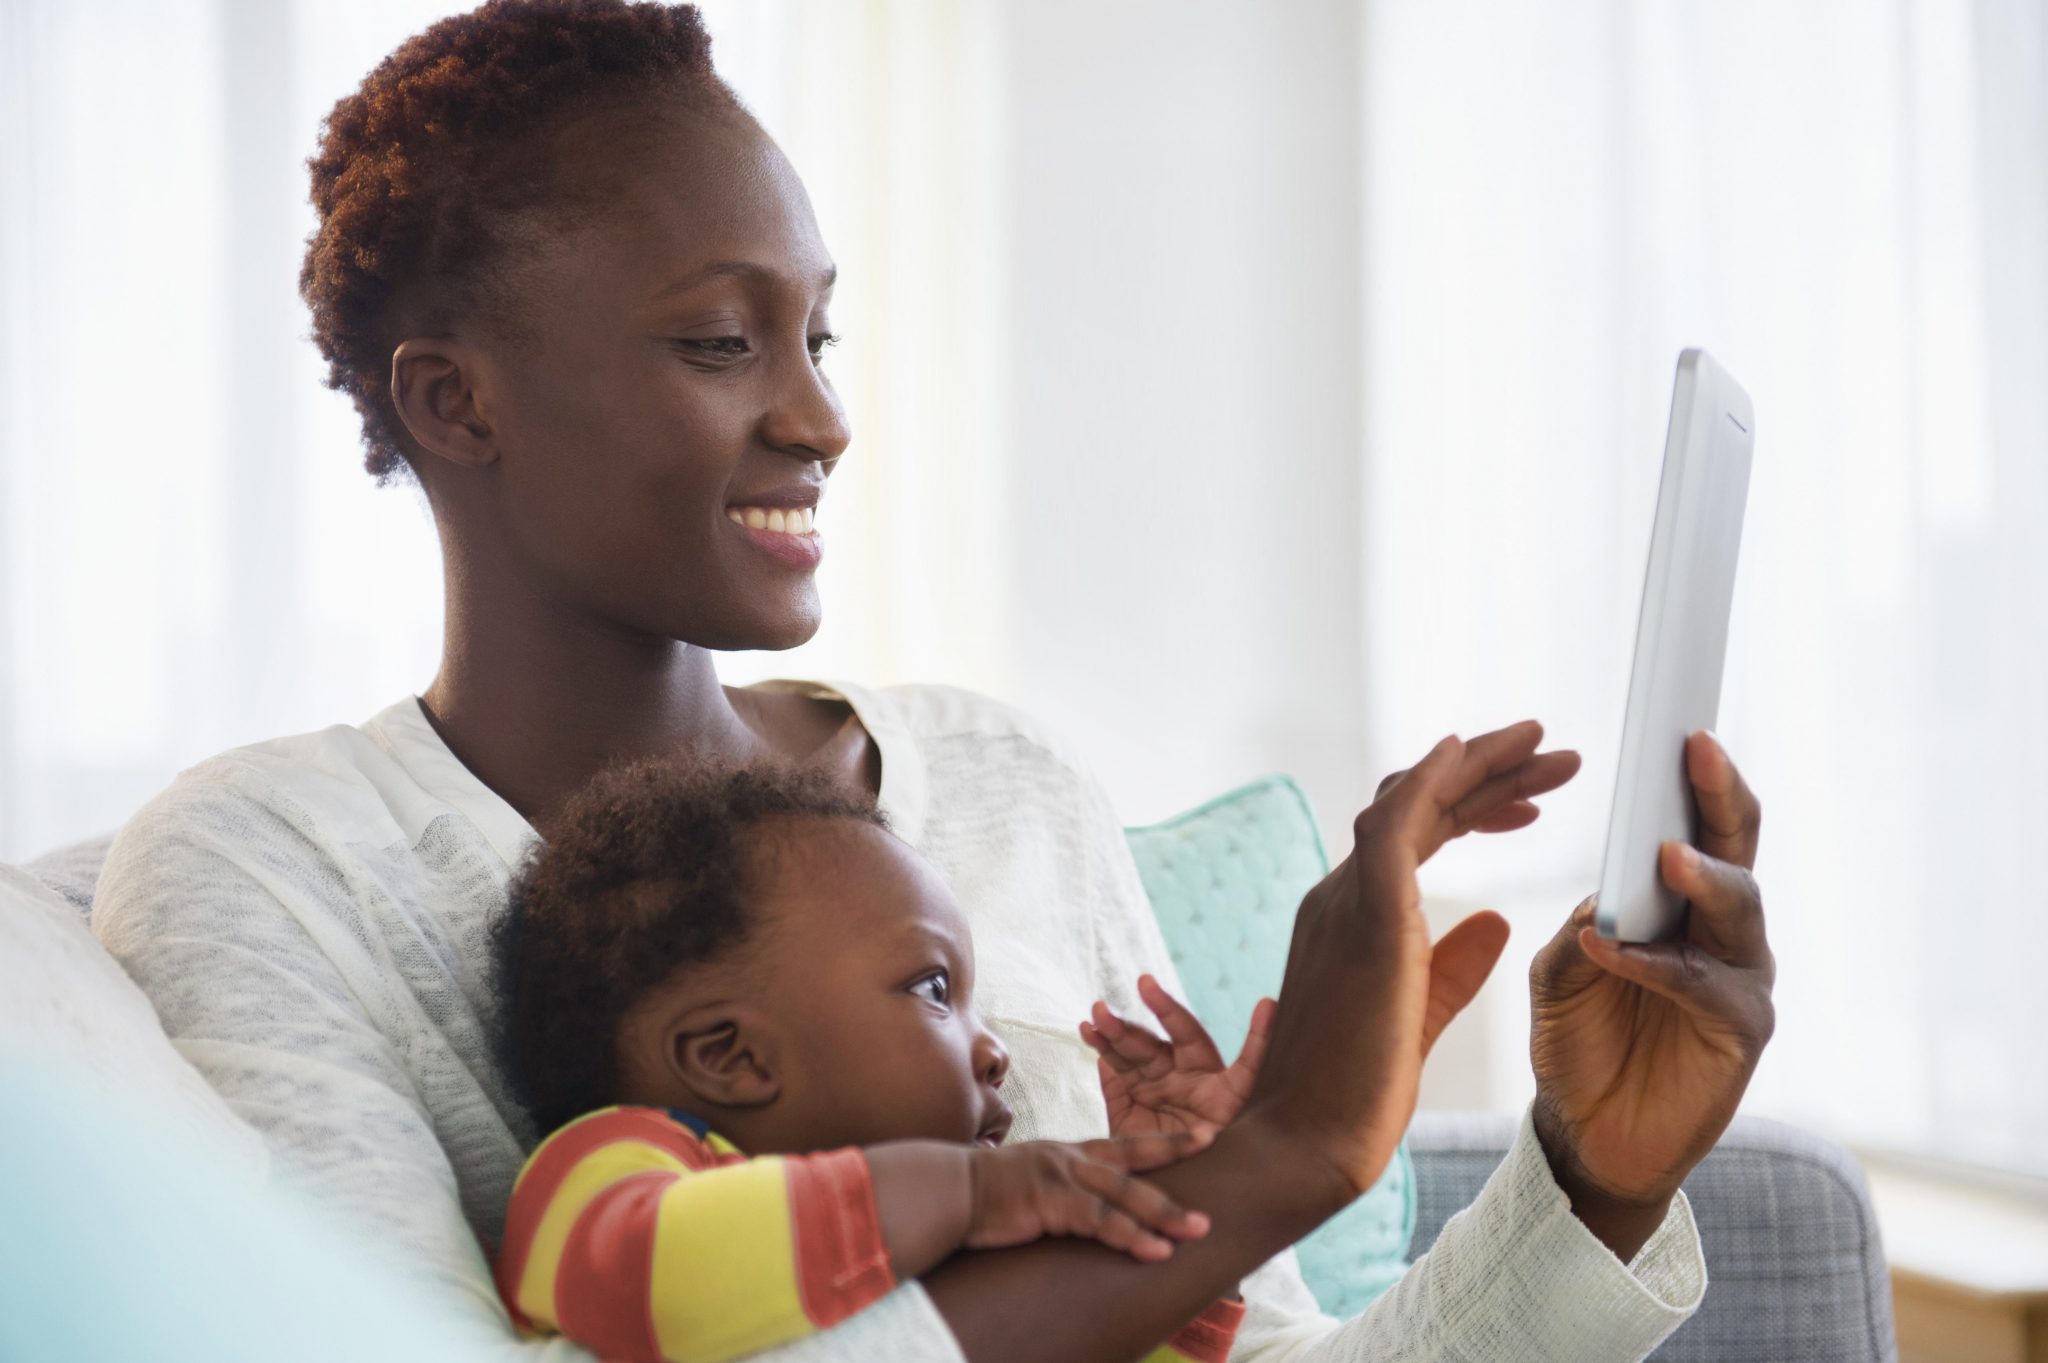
x=1024 y=1192
x=1152 y=1084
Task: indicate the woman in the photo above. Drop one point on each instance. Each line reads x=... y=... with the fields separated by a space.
x=578 y=294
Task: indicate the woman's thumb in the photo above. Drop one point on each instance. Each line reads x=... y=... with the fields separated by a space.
x=1458 y=966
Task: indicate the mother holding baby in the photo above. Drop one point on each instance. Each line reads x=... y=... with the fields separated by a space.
x=578 y=294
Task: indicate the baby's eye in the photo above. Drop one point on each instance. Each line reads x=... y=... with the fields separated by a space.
x=936 y=987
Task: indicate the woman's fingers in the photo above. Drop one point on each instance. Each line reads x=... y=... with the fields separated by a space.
x=1508 y=818
x=1537 y=775
x=1730 y=815
x=1461 y=786
x=1458 y=966
x=1560 y=968
x=1693 y=978
x=1727 y=913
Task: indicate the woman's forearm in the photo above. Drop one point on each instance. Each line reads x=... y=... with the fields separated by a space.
x=1075 y=1301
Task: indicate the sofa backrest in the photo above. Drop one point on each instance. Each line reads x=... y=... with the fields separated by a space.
x=67 y=1005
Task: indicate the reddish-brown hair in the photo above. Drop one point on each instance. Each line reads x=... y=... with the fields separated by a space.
x=428 y=170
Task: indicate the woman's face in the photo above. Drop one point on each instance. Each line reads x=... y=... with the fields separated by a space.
x=659 y=380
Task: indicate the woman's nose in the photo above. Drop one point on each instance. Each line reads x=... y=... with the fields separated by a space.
x=807 y=418
x=991 y=1060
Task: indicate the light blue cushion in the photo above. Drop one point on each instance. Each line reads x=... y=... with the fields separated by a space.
x=1225 y=880
x=125 y=1240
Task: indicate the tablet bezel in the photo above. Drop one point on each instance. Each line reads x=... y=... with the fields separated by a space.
x=1681 y=644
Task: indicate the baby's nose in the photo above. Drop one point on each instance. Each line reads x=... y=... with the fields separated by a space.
x=991 y=1059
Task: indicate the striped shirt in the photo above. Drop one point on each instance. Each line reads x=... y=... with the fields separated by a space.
x=643 y=1235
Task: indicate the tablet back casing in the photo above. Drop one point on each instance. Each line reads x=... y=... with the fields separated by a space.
x=1681 y=639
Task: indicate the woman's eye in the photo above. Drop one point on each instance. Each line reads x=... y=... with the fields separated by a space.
x=821 y=342
x=723 y=347
x=936 y=987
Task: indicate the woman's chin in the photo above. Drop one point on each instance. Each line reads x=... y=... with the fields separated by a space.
x=767 y=632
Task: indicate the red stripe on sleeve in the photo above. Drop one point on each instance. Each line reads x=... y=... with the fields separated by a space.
x=549 y=1165
x=603 y=1290
x=841 y=1262
x=1208 y=1337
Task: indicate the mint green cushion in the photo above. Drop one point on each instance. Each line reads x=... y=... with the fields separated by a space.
x=1225 y=880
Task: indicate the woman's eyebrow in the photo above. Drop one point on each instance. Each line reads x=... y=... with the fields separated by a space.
x=741 y=269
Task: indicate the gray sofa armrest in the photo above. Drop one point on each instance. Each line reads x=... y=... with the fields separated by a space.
x=1795 y=1269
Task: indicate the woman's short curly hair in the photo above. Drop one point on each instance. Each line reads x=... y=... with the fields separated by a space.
x=644 y=873
x=425 y=175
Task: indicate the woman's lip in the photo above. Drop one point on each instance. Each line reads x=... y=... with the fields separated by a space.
x=798 y=551
x=802 y=494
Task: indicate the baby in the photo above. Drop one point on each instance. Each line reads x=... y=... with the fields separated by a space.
x=746 y=1011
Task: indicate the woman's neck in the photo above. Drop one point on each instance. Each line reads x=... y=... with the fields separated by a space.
x=535 y=700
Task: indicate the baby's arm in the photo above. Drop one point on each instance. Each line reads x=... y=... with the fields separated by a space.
x=642 y=1238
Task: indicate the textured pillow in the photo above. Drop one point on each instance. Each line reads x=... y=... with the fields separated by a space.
x=67 y=1004
x=1225 y=880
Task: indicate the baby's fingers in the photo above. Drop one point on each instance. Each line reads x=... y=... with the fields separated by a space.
x=1183 y=1028
x=1132 y=1213
x=1124 y=1046
x=1152 y=1150
x=1253 y=1053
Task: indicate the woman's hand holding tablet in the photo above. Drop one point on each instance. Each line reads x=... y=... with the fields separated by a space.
x=1652 y=1006
x=1642 y=1050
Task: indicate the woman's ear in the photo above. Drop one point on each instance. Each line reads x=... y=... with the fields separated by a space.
x=436 y=385
x=727 y=1059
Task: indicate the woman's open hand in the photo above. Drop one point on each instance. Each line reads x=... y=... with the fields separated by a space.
x=1366 y=994
x=1642 y=1051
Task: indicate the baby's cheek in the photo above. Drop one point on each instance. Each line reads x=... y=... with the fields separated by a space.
x=1051 y=1087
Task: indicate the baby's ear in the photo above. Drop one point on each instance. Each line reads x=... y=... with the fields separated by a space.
x=728 y=1059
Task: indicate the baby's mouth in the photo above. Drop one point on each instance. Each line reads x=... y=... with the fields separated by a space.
x=995 y=1127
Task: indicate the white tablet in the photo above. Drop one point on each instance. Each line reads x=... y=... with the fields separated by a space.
x=1674 y=685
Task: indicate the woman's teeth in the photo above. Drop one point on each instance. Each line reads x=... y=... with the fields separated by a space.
x=793 y=522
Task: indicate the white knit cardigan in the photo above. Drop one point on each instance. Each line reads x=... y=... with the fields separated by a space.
x=309 y=918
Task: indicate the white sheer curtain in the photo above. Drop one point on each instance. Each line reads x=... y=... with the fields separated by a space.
x=1848 y=204
x=190 y=554
x=1104 y=303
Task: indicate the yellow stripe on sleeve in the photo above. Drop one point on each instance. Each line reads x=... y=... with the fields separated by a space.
x=592 y=1175
x=725 y=1265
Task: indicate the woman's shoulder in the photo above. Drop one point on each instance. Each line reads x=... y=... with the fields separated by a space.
x=935 y=713
x=328 y=776
x=309 y=797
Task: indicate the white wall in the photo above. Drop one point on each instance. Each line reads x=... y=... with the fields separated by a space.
x=1184 y=392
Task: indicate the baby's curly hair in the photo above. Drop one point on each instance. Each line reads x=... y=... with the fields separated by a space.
x=426 y=175
x=644 y=873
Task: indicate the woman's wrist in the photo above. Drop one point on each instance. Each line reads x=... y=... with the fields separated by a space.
x=1624 y=1224
x=1306 y=1173
x=1262 y=1187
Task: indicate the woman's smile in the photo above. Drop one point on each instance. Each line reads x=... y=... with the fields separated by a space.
x=787 y=533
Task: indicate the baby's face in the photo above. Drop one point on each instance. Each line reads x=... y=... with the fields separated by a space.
x=862 y=966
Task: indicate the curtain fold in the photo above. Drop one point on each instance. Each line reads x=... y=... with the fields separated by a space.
x=192 y=555
x=1844 y=203
x=1847 y=203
